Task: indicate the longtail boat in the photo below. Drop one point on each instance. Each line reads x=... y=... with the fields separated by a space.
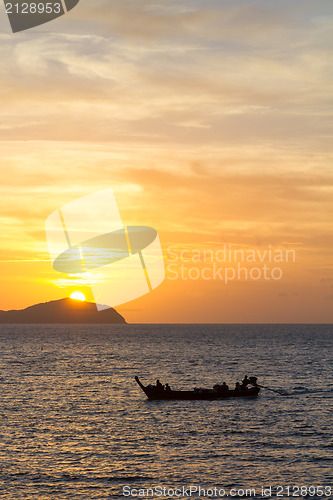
x=155 y=393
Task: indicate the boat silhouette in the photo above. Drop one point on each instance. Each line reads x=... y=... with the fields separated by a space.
x=156 y=393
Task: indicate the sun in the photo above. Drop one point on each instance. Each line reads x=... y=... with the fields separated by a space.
x=78 y=296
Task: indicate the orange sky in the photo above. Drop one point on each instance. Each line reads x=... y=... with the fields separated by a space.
x=211 y=121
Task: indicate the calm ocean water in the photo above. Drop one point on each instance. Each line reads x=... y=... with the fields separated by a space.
x=74 y=424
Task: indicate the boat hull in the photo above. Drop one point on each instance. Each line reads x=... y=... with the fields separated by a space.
x=201 y=394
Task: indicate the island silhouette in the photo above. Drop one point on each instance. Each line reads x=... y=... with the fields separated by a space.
x=62 y=311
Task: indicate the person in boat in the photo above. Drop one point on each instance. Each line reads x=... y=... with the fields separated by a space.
x=221 y=388
x=159 y=386
x=245 y=382
x=167 y=387
x=238 y=387
x=253 y=381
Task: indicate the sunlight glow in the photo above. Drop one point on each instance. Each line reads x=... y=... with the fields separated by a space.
x=78 y=296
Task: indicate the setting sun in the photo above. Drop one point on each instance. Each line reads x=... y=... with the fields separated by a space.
x=78 y=296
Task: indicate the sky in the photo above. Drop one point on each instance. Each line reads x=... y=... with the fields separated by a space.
x=211 y=120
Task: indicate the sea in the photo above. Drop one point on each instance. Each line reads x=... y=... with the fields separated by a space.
x=75 y=425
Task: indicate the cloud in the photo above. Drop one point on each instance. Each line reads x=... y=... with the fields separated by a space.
x=197 y=201
x=244 y=21
x=229 y=71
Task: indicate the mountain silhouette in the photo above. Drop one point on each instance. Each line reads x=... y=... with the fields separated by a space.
x=62 y=311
